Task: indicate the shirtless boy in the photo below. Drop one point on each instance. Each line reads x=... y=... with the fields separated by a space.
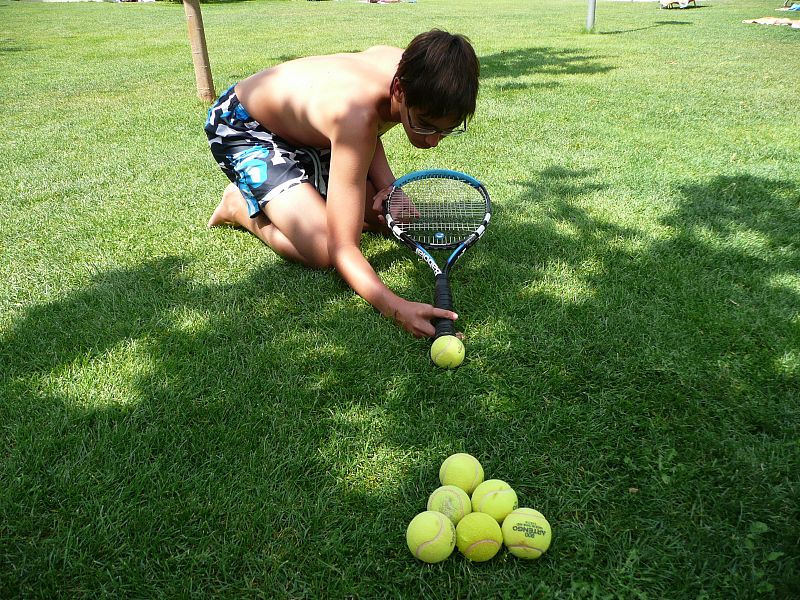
x=301 y=145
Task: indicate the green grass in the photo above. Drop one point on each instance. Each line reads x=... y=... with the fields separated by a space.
x=181 y=412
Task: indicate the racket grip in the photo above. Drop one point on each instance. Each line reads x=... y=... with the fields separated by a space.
x=443 y=299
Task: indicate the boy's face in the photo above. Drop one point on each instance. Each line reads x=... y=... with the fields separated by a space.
x=426 y=132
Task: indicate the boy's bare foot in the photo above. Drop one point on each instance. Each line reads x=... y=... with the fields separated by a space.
x=226 y=209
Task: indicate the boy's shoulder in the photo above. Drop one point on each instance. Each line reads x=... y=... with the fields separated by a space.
x=382 y=50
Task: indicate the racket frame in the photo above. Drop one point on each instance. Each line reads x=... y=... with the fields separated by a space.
x=443 y=296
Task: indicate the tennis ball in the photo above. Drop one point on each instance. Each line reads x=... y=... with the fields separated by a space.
x=526 y=533
x=462 y=470
x=452 y=501
x=494 y=497
x=478 y=537
x=447 y=352
x=431 y=536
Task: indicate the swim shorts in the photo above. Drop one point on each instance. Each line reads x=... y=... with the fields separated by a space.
x=260 y=163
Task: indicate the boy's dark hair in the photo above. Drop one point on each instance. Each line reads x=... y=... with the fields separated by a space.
x=439 y=75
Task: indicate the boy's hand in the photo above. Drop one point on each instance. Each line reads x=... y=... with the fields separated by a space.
x=377 y=203
x=416 y=317
x=403 y=211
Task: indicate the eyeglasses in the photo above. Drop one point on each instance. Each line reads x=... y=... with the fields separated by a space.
x=433 y=130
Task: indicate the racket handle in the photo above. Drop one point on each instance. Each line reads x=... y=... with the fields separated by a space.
x=444 y=299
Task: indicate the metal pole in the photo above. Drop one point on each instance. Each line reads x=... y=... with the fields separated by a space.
x=590 y=16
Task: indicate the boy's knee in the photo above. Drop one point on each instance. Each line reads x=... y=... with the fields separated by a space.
x=319 y=257
x=322 y=263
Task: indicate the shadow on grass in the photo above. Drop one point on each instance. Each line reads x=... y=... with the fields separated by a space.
x=562 y=182
x=653 y=26
x=246 y=424
x=681 y=349
x=631 y=378
x=9 y=45
x=732 y=243
x=544 y=61
x=212 y=1
x=118 y=398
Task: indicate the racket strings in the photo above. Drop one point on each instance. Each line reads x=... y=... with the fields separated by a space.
x=438 y=211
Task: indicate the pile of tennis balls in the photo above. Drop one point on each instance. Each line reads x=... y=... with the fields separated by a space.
x=478 y=525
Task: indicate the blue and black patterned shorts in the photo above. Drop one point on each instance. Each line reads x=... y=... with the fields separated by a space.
x=260 y=163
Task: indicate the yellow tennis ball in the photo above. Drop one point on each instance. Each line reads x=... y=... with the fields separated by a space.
x=462 y=470
x=494 y=497
x=431 y=536
x=447 y=352
x=452 y=501
x=526 y=533
x=478 y=537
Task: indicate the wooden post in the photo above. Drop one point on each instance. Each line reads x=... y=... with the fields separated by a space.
x=197 y=39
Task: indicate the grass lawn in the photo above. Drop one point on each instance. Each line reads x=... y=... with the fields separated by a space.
x=184 y=413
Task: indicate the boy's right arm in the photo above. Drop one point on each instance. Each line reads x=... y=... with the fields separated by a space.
x=345 y=209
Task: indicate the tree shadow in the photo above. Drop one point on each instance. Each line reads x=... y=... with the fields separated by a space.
x=698 y=320
x=679 y=342
x=648 y=335
x=653 y=26
x=540 y=61
x=10 y=45
x=735 y=203
x=709 y=221
x=140 y=382
x=651 y=336
x=560 y=182
x=156 y=305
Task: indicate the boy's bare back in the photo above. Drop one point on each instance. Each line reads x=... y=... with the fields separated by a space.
x=304 y=100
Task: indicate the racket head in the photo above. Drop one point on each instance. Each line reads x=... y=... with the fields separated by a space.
x=438 y=209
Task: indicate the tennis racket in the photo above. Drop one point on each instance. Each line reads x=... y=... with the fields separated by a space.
x=438 y=209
